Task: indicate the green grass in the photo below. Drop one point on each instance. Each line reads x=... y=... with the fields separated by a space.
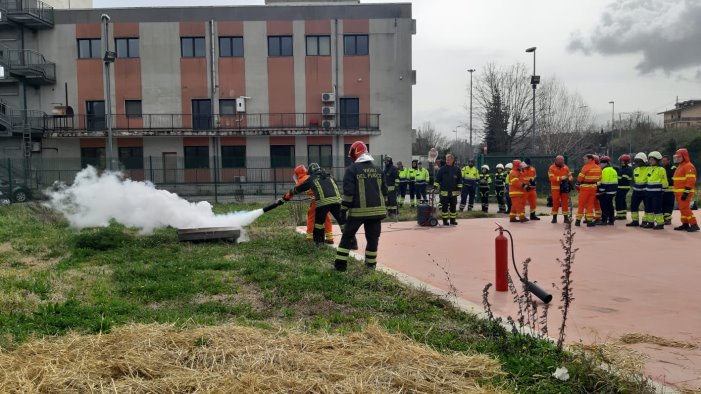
x=55 y=279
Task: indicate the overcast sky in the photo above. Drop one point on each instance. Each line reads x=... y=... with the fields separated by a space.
x=640 y=53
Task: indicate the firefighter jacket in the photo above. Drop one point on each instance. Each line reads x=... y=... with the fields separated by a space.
x=609 y=181
x=557 y=175
x=529 y=174
x=449 y=181
x=517 y=184
x=364 y=191
x=324 y=188
x=470 y=175
x=685 y=176
x=485 y=182
x=499 y=180
x=421 y=176
x=625 y=177
x=656 y=179
x=670 y=181
x=640 y=179
x=391 y=177
x=589 y=176
x=406 y=175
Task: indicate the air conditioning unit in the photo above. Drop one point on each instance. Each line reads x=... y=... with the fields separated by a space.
x=240 y=179
x=328 y=110
x=328 y=97
x=328 y=124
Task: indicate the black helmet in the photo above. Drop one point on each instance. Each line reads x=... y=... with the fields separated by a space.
x=313 y=169
x=388 y=159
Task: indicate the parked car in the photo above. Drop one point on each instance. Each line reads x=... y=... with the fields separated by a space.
x=14 y=194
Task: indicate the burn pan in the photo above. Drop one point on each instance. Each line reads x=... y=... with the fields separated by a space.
x=209 y=234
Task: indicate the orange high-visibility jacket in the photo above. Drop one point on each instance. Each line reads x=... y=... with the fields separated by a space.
x=590 y=175
x=516 y=183
x=557 y=175
x=529 y=173
x=685 y=176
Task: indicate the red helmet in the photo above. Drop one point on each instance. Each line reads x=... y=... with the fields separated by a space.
x=559 y=161
x=357 y=149
x=625 y=158
x=300 y=171
x=596 y=159
x=605 y=159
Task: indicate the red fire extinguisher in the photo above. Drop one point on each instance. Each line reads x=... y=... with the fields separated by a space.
x=501 y=248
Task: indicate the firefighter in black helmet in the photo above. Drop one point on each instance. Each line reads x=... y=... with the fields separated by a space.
x=391 y=179
x=449 y=182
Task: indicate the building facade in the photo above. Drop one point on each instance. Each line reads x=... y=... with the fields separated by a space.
x=684 y=114
x=206 y=88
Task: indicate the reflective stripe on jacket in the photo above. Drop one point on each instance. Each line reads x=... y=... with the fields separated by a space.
x=640 y=179
x=656 y=179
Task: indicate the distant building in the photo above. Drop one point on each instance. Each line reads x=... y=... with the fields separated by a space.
x=685 y=114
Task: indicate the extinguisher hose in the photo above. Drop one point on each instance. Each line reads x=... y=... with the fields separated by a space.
x=531 y=287
x=513 y=255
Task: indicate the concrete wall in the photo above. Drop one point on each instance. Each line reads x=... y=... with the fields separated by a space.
x=65 y=4
x=159 y=46
x=256 y=58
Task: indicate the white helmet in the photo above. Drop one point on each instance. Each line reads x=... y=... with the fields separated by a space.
x=485 y=167
x=641 y=156
x=655 y=155
x=509 y=166
x=500 y=166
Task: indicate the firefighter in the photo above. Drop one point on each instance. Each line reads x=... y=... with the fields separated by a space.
x=597 y=200
x=531 y=195
x=363 y=204
x=421 y=178
x=518 y=186
x=654 y=192
x=403 y=182
x=485 y=183
x=608 y=187
x=508 y=168
x=326 y=196
x=560 y=177
x=300 y=175
x=668 y=196
x=392 y=181
x=625 y=177
x=449 y=182
x=684 y=187
x=500 y=187
x=412 y=182
x=587 y=181
x=639 y=186
x=470 y=175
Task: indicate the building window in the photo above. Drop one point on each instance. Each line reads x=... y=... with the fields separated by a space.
x=127 y=47
x=192 y=46
x=95 y=115
x=346 y=148
x=132 y=158
x=318 y=45
x=282 y=156
x=92 y=157
x=133 y=108
x=233 y=156
x=230 y=46
x=227 y=107
x=89 y=48
x=355 y=44
x=320 y=154
x=279 y=45
x=196 y=156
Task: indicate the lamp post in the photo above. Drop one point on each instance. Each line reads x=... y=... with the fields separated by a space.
x=471 y=71
x=613 y=129
x=108 y=59
x=535 y=80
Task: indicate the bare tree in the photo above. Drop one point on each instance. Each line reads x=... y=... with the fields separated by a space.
x=426 y=138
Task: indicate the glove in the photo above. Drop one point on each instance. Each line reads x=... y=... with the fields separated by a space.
x=527 y=187
x=532 y=182
x=685 y=195
x=342 y=217
x=287 y=196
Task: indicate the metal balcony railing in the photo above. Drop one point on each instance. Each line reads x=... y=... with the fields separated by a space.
x=29 y=64
x=32 y=13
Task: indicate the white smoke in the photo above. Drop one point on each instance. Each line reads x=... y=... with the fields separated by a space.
x=94 y=200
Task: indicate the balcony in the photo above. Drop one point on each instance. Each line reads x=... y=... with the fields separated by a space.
x=15 y=120
x=212 y=125
x=34 y=14
x=29 y=64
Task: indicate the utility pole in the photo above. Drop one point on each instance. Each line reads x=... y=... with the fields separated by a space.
x=108 y=58
x=471 y=150
x=535 y=80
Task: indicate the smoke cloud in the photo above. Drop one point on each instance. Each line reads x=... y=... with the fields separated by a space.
x=94 y=200
x=666 y=32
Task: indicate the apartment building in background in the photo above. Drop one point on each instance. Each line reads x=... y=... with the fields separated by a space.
x=685 y=114
x=205 y=88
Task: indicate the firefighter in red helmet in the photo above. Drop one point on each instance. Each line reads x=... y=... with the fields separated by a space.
x=300 y=175
x=684 y=187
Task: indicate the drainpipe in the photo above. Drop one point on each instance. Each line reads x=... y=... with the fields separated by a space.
x=339 y=139
x=213 y=90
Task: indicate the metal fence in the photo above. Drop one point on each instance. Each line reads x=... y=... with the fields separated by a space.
x=541 y=163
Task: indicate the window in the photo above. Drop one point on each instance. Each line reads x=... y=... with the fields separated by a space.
x=230 y=46
x=196 y=157
x=133 y=108
x=321 y=154
x=92 y=157
x=192 y=46
x=282 y=156
x=95 y=115
x=127 y=47
x=318 y=45
x=233 y=156
x=346 y=148
x=89 y=48
x=132 y=158
x=355 y=45
x=227 y=107
x=280 y=46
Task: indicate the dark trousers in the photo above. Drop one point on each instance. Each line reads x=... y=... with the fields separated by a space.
x=392 y=200
x=448 y=207
x=607 y=211
x=621 y=204
x=467 y=195
x=508 y=200
x=668 y=205
x=373 y=228
x=320 y=217
x=484 y=199
x=412 y=193
x=500 y=199
x=402 y=192
x=654 y=211
x=421 y=191
x=637 y=198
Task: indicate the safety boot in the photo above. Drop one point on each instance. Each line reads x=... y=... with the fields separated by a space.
x=659 y=227
x=340 y=266
x=648 y=225
x=513 y=220
x=371 y=266
x=328 y=241
x=453 y=222
x=693 y=228
x=683 y=227
x=524 y=220
x=633 y=224
x=578 y=223
x=667 y=222
x=554 y=219
x=534 y=216
x=591 y=224
x=445 y=222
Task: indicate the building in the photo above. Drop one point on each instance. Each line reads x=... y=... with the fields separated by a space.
x=214 y=91
x=685 y=114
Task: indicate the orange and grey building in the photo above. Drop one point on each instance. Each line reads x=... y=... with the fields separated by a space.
x=251 y=86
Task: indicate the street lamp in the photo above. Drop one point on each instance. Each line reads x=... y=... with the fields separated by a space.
x=535 y=80
x=471 y=71
x=108 y=58
x=613 y=130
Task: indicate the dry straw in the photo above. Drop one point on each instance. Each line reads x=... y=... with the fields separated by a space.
x=234 y=359
x=635 y=337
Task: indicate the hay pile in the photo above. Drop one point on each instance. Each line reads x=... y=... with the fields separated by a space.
x=234 y=359
x=635 y=337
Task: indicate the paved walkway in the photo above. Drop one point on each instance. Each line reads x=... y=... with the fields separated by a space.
x=626 y=280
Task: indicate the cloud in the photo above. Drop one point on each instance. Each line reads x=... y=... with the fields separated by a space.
x=666 y=32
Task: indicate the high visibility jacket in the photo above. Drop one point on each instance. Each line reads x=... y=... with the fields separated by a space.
x=609 y=180
x=557 y=175
x=405 y=174
x=485 y=181
x=670 y=175
x=364 y=192
x=529 y=174
x=412 y=174
x=324 y=188
x=640 y=179
x=500 y=180
x=517 y=183
x=391 y=177
x=421 y=175
x=625 y=176
x=470 y=175
x=449 y=180
x=685 y=177
x=656 y=179
x=589 y=176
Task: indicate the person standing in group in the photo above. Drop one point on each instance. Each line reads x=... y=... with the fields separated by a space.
x=560 y=177
x=363 y=204
x=587 y=182
x=485 y=183
x=421 y=177
x=300 y=175
x=639 y=187
x=668 y=196
x=500 y=187
x=608 y=188
x=449 y=183
x=518 y=186
x=391 y=179
x=508 y=168
x=470 y=175
x=412 y=182
x=684 y=188
x=625 y=177
x=531 y=195
x=656 y=183
x=597 y=200
x=403 y=182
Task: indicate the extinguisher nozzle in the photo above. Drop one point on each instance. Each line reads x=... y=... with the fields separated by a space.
x=539 y=292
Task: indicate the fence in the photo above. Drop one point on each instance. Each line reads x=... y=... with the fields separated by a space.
x=541 y=163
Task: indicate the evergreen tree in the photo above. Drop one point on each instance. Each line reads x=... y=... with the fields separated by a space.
x=495 y=129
